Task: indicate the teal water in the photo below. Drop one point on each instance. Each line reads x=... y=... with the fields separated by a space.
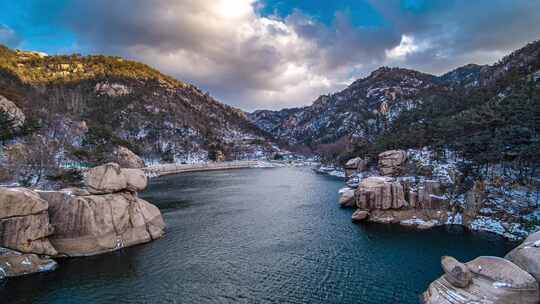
x=257 y=236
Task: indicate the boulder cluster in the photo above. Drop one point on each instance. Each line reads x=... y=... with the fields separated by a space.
x=387 y=198
x=106 y=216
x=490 y=280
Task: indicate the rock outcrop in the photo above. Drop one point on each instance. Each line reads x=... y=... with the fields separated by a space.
x=111 y=178
x=24 y=222
x=427 y=195
x=126 y=158
x=12 y=111
x=109 y=217
x=380 y=193
x=95 y=224
x=455 y=272
x=486 y=280
x=473 y=200
x=392 y=163
x=35 y=225
x=13 y=263
x=347 y=198
x=355 y=165
x=389 y=200
x=360 y=215
x=527 y=255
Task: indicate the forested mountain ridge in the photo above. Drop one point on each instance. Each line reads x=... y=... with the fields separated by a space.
x=85 y=106
x=399 y=108
x=361 y=110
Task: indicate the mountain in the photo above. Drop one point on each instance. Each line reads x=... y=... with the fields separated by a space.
x=465 y=76
x=85 y=106
x=362 y=110
x=369 y=111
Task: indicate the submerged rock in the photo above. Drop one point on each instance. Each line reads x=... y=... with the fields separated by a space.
x=493 y=280
x=24 y=221
x=13 y=263
x=94 y=224
x=527 y=255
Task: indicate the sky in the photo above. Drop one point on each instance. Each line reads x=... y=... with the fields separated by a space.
x=273 y=54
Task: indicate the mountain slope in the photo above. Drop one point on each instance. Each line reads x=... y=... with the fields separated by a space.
x=370 y=107
x=362 y=110
x=87 y=105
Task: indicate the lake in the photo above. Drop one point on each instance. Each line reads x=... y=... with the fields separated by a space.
x=258 y=236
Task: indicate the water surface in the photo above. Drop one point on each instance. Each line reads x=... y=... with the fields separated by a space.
x=257 y=236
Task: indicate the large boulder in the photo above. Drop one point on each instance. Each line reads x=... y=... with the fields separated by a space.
x=136 y=180
x=24 y=221
x=94 y=224
x=126 y=158
x=380 y=193
x=355 y=165
x=527 y=255
x=493 y=280
x=107 y=178
x=15 y=113
x=111 y=178
x=13 y=263
x=392 y=163
x=455 y=272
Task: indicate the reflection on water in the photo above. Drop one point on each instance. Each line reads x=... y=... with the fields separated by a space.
x=257 y=236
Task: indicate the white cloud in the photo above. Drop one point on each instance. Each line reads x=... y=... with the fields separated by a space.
x=223 y=46
x=252 y=61
x=407 y=46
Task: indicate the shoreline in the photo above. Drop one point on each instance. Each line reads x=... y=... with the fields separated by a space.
x=171 y=169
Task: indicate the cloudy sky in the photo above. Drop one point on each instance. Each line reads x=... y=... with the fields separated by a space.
x=273 y=54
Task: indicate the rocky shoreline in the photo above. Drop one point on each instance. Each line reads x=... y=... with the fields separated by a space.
x=395 y=192
x=405 y=187
x=107 y=215
x=490 y=280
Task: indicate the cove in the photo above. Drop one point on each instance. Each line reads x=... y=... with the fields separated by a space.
x=258 y=236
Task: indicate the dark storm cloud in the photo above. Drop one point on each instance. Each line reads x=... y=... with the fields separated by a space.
x=253 y=61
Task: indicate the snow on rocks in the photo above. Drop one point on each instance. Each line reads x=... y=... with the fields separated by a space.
x=485 y=279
